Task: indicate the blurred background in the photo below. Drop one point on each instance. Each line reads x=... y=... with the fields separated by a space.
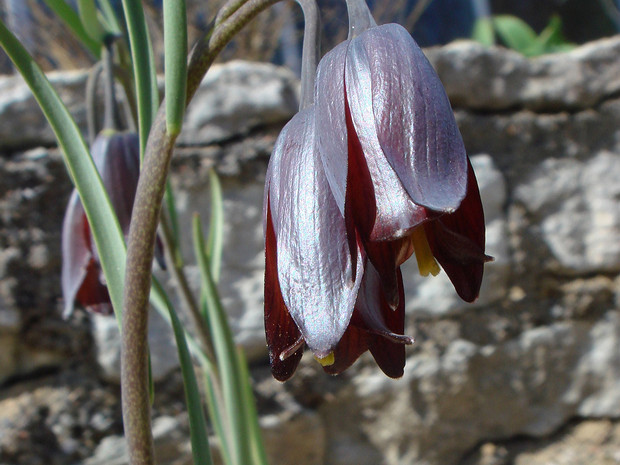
x=276 y=36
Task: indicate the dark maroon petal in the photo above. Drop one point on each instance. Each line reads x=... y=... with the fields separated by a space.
x=375 y=326
x=280 y=329
x=400 y=112
x=93 y=294
x=76 y=254
x=385 y=257
x=457 y=241
x=387 y=345
x=354 y=343
x=82 y=278
x=315 y=268
x=385 y=325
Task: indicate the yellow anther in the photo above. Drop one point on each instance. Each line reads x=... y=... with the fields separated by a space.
x=426 y=262
x=326 y=361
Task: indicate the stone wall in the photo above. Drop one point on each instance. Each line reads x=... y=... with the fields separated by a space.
x=528 y=372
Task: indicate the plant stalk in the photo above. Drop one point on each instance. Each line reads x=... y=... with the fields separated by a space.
x=141 y=240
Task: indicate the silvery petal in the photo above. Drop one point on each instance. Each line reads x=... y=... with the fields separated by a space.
x=315 y=267
x=411 y=118
x=331 y=125
x=381 y=207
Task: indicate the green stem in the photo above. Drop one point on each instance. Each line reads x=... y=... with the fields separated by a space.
x=143 y=67
x=206 y=50
x=175 y=62
x=145 y=217
x=227 y=10
x=110 y=120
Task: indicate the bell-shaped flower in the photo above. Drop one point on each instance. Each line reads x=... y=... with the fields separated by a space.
x=117 y=158
x=373 y=172
x=395 y=159
x=317 y=289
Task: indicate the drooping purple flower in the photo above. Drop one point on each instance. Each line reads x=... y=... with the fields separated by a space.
x=372 y=173
x=117 y=158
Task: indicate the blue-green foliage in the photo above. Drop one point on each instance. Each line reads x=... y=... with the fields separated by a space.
x=516 y=34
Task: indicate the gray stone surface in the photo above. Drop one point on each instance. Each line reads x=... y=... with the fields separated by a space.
x=226 y=105
x=236 y=97
x=491 y=79
x=106 y=336
x=577 y=209
x=32 y=201
x=171 y=446
x=23 y=124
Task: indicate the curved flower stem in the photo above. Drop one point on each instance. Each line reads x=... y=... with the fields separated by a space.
x=110 y=120
x=184 y=290
x=210 y=45
x=360 y=17
x=311 y=51
x=141 y=239
x=227 y=10
x=91 y=100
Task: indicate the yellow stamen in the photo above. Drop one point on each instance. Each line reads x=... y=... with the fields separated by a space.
x=426 y=262
x=326 y=361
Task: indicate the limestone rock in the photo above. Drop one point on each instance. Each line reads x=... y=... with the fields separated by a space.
x=576 y=206
x=171 y=446
x=236 y=97
x=294 y=437
x=164 y=358
x=585 y=442
x=450 y=401
x=233 y=99
x=32 y=334
x=494 y=78
x=23 y=123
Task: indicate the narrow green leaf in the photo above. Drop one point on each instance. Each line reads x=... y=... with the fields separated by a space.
x=159 y=299
x=483 y=31
x=215 y=240
x=552 y=38
x=175 y=63
x=110 y=16
x=174 y=223
x=143 y=67
x=197 y=423
x=225 y=353
x=154 y=83
x=101 y=217
x=217 y=416
x=251 y=415
x=88 y=15
x=69 y=16
x=515 y=33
